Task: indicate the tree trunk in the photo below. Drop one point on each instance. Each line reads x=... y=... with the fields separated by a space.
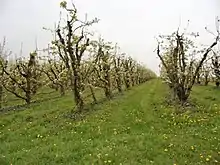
x=28 y=91
x=182 y=96
x=108 y=87
x=217 y=83
x=77 y=91
x=62 y=90
x=78 y=99
x=127 y=82
x=118 y=81
x=108 y=93
x=56 y=88
x=206 y=80
x=198 y=79
x=1 y=96
x=93 y=94
x=133 y=81
x=137 y=80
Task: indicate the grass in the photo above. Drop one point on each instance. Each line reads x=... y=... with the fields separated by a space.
x=135 y=128
x=11 y=101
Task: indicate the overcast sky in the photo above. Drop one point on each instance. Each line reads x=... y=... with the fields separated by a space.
x=131 y=23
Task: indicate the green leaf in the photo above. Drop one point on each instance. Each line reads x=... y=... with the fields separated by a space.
x=63 y=4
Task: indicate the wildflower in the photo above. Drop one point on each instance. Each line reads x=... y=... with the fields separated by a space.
x=170 y=145
x=99 y=155
x=201 y=156
x=165 y=150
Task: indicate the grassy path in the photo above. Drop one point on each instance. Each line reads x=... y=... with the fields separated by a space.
x=136 y=128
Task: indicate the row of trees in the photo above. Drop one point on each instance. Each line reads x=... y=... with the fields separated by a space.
x=209 y=71
x=184 y=63
x=216 y=67
x=74 y=62
x=103 y=69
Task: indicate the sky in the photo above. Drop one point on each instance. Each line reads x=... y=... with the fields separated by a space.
x=132 y=24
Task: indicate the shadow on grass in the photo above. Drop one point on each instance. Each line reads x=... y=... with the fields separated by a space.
x=190 y=105
x=90 y=108
x=21 y=107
